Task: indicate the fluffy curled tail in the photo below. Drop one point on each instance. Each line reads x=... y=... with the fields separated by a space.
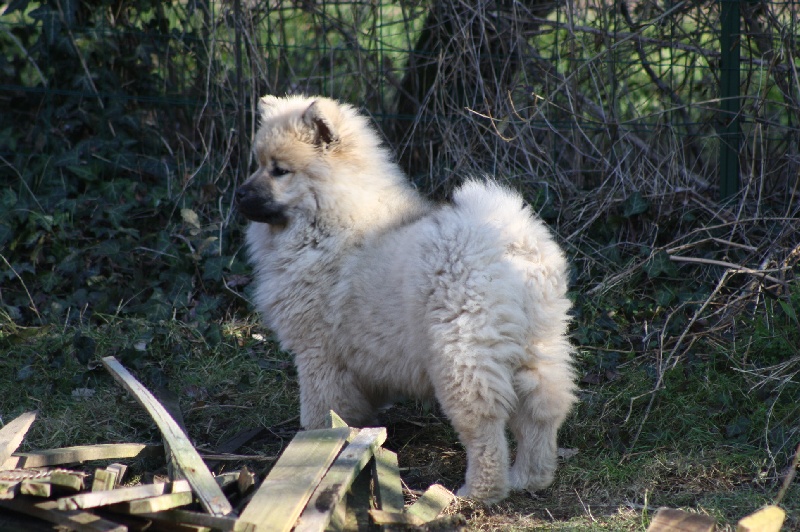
x=488 y=203
x=492 y=203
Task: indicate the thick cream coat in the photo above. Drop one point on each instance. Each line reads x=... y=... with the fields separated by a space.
x=380 y=294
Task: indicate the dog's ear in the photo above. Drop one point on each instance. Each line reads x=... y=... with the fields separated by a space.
x=324 y=133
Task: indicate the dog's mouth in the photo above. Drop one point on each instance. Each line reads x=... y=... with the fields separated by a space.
x=258 y=206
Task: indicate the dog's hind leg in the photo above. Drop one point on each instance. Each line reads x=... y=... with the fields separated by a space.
x=546 y=395
x=487 y=459
x=478 y=399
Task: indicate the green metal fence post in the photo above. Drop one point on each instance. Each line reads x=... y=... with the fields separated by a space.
x=730 y=130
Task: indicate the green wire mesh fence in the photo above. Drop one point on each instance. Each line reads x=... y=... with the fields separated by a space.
x=653 y=95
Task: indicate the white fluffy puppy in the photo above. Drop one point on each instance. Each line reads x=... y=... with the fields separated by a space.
x=380 y=294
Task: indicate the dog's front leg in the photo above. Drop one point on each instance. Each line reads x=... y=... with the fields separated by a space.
x=325 y=386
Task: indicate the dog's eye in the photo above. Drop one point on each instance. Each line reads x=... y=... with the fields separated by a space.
x=277 y=171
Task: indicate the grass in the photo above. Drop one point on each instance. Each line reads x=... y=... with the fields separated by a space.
x=238 y=382
x=701 y=447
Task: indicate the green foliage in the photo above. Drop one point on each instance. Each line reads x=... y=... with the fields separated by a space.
x=775 y=336
x=98 y=190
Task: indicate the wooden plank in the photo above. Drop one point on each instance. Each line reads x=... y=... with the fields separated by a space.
x=159 y=503
x=767 y=519
x=104 y=480
x=12 y=434
x=227 y=481
x=431 y=503
x=73 y=520
x=9 y=489
x=188 y=461
x=94 y=499
x=356 y=506
x=388 y=487
x=280 y=499
x=223 y=524
x=232 y=445
x=172 y=405
x=120 y=469
x=384 y=518
x=80 y=453
x=333 y=421
x=67 y=481
x=16 y=475
x=333 y=488
x=35 y=488
x=672 y=520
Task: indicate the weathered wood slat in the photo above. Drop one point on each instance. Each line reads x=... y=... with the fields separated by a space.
x=81 y=453
x=104 y=480
x=383 y=518
x=355 y=507
x=158 y=504
x=187 y=458
x=73 y=520
x=223 y=524
x=280 y=499
x=170 y=402
x=431 y=503
x=120 y=470
x=11 y=435
x=9 y=489
x=333 y=487
x=66 y=481
x=672 y=520
x=94 y=499
x=767 y=519
x=388 y=487
x=333 y=421
x=35 y=488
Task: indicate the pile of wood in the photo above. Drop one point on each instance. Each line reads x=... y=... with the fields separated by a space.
x=339 y=478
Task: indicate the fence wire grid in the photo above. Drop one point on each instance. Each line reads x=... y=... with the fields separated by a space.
x=565 y=96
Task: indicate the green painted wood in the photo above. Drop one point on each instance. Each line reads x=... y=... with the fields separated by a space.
x=95 y=499
x=333 y=488
x=80 y=453
x=73 y=520
x=283 y=495
x=388 y=487
x=432 y=503
x=186 y=457
x=11 y=434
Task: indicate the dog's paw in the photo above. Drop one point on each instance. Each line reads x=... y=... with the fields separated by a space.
x=530 y=481
x=486 y=497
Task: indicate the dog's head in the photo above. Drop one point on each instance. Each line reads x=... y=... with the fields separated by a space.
x=296 y=144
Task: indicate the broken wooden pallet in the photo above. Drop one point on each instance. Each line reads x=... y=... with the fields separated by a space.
x=333 y=478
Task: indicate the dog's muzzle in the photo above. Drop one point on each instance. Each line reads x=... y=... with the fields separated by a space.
x=257 y=204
